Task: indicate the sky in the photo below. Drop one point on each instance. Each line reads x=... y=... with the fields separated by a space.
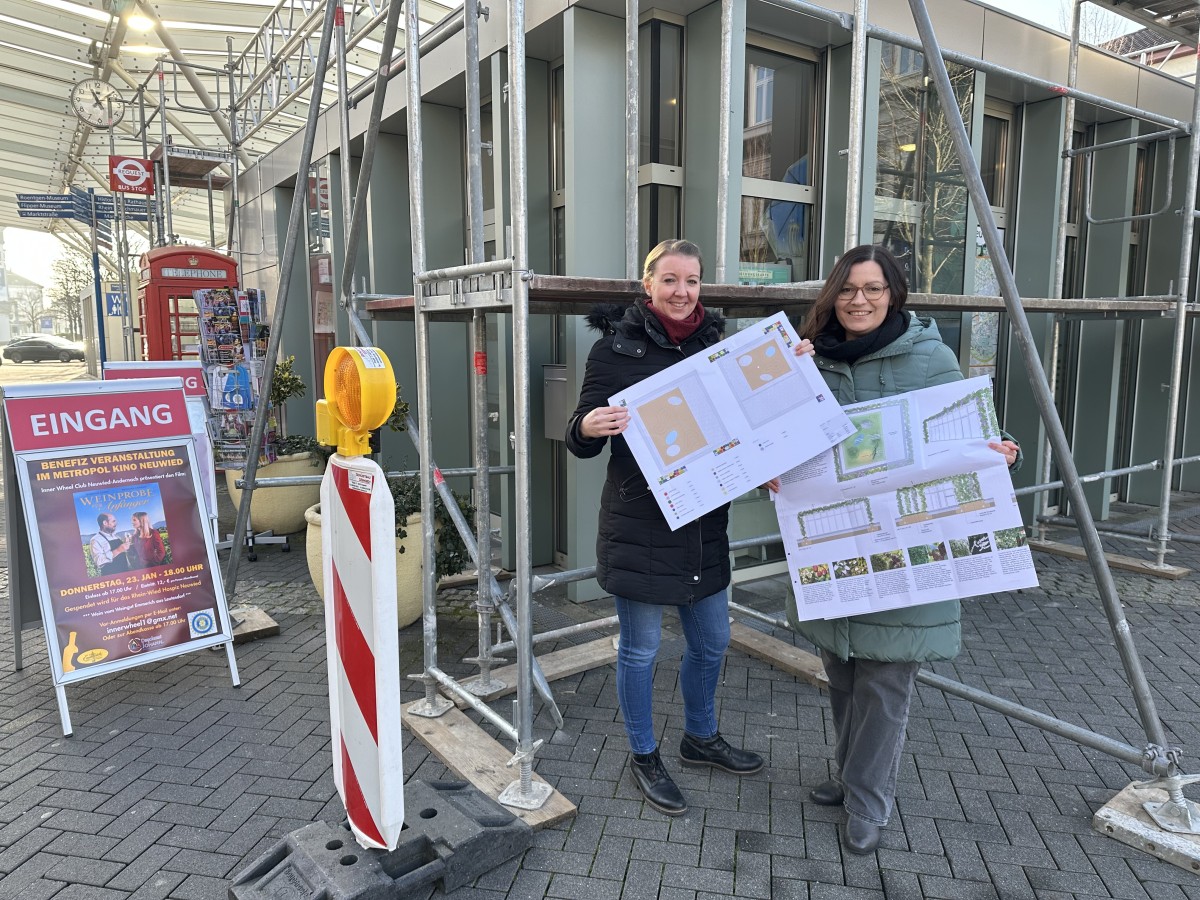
x=30 y=253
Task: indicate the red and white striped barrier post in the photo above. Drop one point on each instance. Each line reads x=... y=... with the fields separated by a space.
x=359 y=550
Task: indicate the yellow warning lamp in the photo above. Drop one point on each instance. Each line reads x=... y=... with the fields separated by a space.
x=360 y=392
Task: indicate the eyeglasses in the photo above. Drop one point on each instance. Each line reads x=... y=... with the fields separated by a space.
x=870 y=291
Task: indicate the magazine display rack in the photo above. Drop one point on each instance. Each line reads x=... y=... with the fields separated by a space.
x=233 y=343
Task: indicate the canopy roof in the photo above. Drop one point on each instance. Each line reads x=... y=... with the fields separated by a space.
x=269 y=47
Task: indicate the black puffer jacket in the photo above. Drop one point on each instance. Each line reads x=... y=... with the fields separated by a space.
x=637 y=554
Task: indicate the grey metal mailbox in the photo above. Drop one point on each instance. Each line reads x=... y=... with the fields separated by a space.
x=558 y=404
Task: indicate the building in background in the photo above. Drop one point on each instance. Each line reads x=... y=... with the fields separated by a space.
x=791 y=76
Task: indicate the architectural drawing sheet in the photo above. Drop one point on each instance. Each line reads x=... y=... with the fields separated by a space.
x=721 y=422
x=912 y=508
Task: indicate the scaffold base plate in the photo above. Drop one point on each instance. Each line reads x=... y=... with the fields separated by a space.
x=439 y=706
x=534 y=798
x=1123 y=818
x=475 y=756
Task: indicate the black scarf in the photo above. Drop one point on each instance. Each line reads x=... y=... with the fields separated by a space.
x=832 y=343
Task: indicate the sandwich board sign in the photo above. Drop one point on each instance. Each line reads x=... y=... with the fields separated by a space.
x=118 y=540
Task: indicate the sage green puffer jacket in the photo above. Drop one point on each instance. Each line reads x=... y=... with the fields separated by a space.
x=917 y=359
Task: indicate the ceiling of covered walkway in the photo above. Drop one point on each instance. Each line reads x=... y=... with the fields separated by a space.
x=229 y=67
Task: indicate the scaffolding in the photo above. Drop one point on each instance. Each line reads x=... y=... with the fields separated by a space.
x=471 y=291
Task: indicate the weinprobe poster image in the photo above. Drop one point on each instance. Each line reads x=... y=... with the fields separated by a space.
x=121 y=545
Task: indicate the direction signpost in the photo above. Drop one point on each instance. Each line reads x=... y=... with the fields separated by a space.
x=98 y=212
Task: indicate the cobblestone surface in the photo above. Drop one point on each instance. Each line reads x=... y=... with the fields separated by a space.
x=174 y=781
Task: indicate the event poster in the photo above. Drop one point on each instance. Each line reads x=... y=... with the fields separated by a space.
x=728 y=419
x=121 y=538
x=912 y=508
x=191 y=374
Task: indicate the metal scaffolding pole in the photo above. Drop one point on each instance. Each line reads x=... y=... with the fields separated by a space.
x=165 y=188
x=286 y=261
x=1181 y=321
x=632 y=137
x=356 y=222
x=485 y=604
x=1156 y=759
x=523 y=793
x=433 y=705
x=233 y=236
x=854 y=150
x=1060 y=252
x=343 y=117
x=723 y=131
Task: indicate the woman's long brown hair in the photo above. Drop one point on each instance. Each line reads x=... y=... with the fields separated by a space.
x=823 y=309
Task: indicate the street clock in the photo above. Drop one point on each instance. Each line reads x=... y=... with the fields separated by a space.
x=97 y=103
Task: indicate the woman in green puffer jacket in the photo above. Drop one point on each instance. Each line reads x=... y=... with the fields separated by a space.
x=868 y=346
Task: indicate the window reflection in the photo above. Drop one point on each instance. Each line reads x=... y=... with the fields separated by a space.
x=920 y=197
x=660 y=128
x=994 y=158
x=658 y=214
x=660 y=86
x=777 y=147
x=779 y=128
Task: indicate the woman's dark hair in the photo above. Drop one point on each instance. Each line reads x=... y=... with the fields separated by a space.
x=823 y=309
x=674 y=247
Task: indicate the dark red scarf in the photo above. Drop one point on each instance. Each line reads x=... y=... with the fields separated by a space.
x=679 y=331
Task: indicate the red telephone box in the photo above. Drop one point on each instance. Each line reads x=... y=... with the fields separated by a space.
x=170 y=319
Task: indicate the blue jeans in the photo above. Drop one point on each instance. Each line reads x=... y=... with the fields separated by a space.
x=706 y=628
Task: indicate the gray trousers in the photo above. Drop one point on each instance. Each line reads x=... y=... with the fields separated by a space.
x=870 y=703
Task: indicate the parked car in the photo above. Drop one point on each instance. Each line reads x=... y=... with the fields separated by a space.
x=43 y=347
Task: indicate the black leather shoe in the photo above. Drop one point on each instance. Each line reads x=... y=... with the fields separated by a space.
x=655 y=784
x=716 y=752
x=828 y=793
x=859 y=837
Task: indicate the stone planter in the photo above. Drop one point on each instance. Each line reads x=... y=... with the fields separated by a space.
x=408 y=565
x=279 y=510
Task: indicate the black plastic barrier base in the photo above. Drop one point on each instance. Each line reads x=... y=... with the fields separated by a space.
x=453 y=833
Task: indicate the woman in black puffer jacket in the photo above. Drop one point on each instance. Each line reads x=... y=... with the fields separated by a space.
x=640 y=561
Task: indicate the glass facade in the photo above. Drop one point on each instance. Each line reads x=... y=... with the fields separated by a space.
x=659 y=214
x=920 y=194
x=993 y=159
x=558 y=175
x=660 y=86
x=781 y=92
x=778 y=168
x=660 y=127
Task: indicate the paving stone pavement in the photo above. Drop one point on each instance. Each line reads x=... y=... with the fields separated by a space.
x=174 y=781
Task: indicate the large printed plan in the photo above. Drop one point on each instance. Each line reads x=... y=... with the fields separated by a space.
x=912 y=508
x=721 y=422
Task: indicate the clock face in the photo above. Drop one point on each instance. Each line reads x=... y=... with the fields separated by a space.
x=97 y=103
